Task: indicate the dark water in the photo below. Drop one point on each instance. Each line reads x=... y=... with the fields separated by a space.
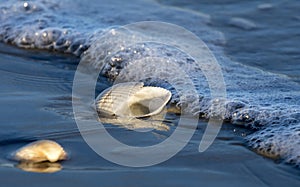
x=36 y=91
x=271 y=39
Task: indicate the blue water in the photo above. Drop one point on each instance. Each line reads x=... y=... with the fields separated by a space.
x=43 y=41
x=271 y=42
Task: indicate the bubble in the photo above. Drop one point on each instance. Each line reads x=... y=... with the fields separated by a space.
x=281 y=142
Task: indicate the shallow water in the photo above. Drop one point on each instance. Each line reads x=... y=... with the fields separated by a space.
x=36 y=95
x=34 y=109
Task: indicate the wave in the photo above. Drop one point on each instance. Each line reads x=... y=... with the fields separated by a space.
x=262 y=101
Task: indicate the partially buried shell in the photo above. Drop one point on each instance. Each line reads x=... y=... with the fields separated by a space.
x=132 y=100
x=40 y=151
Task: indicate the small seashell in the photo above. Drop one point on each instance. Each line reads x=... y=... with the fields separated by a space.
x=132 y=100
x=40 y=151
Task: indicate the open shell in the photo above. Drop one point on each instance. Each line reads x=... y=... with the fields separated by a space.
x=132 y=100
x=40 y=151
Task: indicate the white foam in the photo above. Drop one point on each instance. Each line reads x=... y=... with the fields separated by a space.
x=256 y=99
x=265 y=6
x=242 y=23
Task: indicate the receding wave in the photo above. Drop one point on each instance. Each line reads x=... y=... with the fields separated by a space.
x=265 y=102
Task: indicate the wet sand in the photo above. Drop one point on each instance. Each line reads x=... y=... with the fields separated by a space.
x=36 y=104
x=223 y=164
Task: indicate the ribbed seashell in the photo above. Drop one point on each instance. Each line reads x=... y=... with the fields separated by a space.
x=40 y=151
x=132 y=100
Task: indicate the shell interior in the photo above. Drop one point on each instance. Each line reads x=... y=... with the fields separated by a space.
x=132 y=100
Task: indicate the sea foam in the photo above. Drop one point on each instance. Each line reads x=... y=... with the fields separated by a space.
x=258 y=100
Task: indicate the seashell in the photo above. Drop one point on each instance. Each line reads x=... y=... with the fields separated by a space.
x=40 y=151
x=132 y=100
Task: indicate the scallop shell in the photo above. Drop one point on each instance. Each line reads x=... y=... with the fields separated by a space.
x=132 y=100
x=40 y=151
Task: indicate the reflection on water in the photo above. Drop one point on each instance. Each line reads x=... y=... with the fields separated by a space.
x=141 y=125
x=42 y=167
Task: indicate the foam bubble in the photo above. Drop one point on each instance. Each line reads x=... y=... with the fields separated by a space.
x=33 y=24
x=278 y=141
